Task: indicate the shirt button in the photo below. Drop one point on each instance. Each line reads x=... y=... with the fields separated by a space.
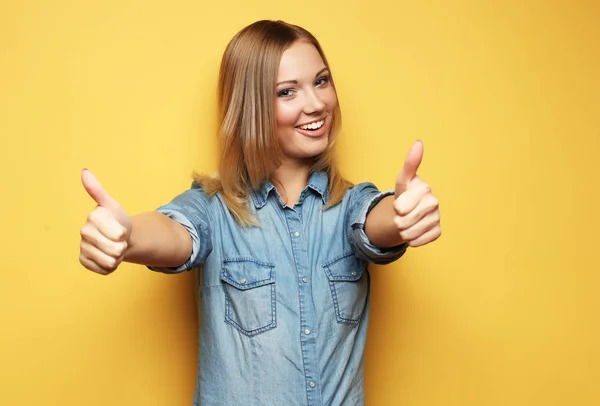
x=312 y=384
x=297 y=234
x=305 y=279
x=243 y=281
x=307 y=331
x=353 y=273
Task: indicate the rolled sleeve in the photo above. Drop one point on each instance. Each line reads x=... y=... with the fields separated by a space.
x=365 y=197
x=191 y=210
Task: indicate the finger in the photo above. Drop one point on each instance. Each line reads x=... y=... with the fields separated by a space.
x=92 y=266
x=92 y=235
x=426 y=205
x=104 y=261
x=430 y=236
x=411 y=165
x=96 y=191
x=108 y=226
x=409 y=200
x=427 y=223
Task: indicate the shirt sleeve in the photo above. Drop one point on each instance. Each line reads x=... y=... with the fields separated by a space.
x=363 y=198
x=191 y=209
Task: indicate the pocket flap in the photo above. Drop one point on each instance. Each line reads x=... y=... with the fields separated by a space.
x=346 y=268
x=247 y=273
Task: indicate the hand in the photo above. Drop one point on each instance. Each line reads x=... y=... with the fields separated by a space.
x=417 y=209
x=105 y=235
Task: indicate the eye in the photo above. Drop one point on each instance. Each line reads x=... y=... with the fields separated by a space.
x=285 y=93
x=322 y=81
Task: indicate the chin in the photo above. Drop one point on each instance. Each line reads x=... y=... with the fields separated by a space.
x=304 y=148
x=316 y=150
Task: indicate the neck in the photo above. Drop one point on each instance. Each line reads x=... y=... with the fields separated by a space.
x=291 y=178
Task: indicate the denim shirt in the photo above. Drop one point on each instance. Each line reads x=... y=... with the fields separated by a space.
x=284 y=306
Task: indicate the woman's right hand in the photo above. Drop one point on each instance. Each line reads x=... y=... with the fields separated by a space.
x=105 y=235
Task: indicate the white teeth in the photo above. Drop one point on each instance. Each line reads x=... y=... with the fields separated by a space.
x=313 y=126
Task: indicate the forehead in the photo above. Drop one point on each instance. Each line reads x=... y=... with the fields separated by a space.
x=300 y=60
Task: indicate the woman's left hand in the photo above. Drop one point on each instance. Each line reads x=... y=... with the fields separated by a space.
x=417 y=209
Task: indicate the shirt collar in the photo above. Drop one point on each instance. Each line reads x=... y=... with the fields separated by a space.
x=318 y=182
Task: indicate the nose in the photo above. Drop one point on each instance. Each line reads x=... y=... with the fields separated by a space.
x=314 y=104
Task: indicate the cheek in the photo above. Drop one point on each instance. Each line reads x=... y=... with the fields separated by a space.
x=330 y=98
x=286 y=114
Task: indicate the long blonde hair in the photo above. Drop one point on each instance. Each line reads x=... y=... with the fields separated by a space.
x=249 y=151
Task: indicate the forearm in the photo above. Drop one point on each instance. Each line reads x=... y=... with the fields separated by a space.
x=380 y=226
x=157 y=240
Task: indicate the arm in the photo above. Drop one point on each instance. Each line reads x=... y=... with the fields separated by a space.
x=380 y=226
x=156 y=240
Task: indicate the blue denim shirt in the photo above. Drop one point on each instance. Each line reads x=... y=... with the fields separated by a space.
x=283 y=307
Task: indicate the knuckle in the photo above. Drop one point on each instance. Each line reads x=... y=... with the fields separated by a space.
x=120 y=249
x=397 y=205
x=405 y=236
x=110 y=264
x=91 y=216
x=398 y=222
x=121 y=233
x=85 y=231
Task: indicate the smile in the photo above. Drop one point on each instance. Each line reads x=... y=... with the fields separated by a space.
x=312 y=126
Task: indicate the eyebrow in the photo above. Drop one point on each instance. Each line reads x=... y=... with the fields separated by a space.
x=295 y=82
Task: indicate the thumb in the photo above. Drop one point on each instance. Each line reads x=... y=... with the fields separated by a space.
x=96 y=191
x=411 y=165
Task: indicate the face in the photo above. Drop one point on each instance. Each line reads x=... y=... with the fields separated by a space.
x=305 y=102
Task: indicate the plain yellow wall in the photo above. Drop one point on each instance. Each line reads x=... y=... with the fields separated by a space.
x=502 y=310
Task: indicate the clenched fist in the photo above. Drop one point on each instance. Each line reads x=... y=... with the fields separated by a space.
x=105 y=235
x=417 y=209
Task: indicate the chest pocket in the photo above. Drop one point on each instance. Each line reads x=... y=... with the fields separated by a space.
x=249 y=287
x=349 y=284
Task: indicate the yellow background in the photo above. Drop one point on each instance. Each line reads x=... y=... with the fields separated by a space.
x=502 y=310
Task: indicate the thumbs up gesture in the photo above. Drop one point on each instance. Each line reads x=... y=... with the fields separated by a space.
x=105 y=235
x=417 y=209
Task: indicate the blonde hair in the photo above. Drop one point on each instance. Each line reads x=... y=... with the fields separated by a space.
x=249 y=151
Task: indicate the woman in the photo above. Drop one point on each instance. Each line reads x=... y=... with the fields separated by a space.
x=280 y=239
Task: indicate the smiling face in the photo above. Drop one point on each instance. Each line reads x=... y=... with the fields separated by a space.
x=305 y=103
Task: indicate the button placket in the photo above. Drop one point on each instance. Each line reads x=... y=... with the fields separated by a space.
x=307 y=316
